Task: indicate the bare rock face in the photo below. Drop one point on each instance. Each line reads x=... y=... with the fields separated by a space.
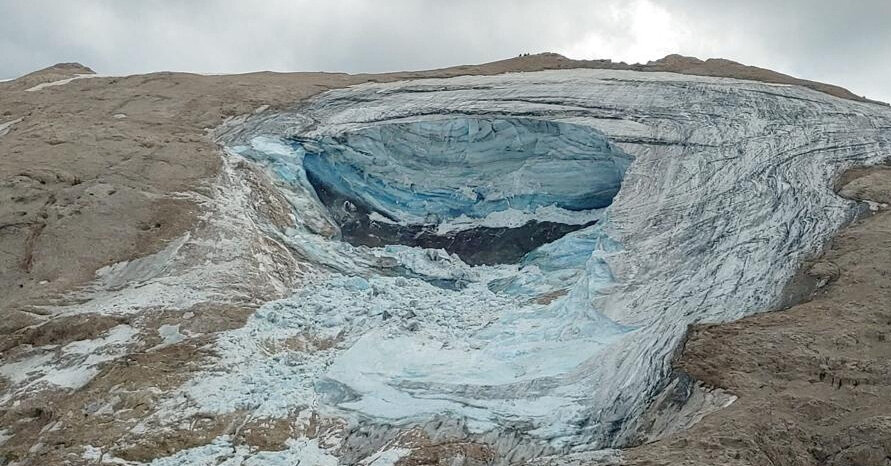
x=431 y=268
x=871 y=185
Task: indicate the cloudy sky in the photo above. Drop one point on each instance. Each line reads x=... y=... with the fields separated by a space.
x=845 y=43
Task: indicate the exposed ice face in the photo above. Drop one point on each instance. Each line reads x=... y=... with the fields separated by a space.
x=730 y=188
x=410 y=172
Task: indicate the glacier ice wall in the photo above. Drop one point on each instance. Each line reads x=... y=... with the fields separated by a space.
x=729 y=190
x=468 y=166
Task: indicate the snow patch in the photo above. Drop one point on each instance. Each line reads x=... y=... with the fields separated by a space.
x=223 y=452
x=61 y=82
x=5 y=127
x=170 y=335
x=76 y=364
x=18 y=372
x=387 y=457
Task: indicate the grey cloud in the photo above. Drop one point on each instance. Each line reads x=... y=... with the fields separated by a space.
x=844 y=43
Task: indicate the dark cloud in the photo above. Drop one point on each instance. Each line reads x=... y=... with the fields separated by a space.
x=846 y=43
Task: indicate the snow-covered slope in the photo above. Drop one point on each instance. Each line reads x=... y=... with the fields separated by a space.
x=690 y=199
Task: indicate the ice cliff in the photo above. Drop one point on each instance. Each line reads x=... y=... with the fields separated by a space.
x=522 y=253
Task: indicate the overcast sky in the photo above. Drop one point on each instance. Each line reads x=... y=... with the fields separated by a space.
x=840 y=42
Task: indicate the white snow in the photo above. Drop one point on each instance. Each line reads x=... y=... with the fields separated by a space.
x=74 y=366
x=120 y=334
x=18 y=372
x=204 y=265
x=222 y=452
x=170 y=335
x=70 y=377
x=875 y=206
x=61 y=82
x=387 y=457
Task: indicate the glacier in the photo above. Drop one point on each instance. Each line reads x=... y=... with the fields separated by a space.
x=658 y=201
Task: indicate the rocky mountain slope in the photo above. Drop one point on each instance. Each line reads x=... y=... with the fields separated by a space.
x=209 y=268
